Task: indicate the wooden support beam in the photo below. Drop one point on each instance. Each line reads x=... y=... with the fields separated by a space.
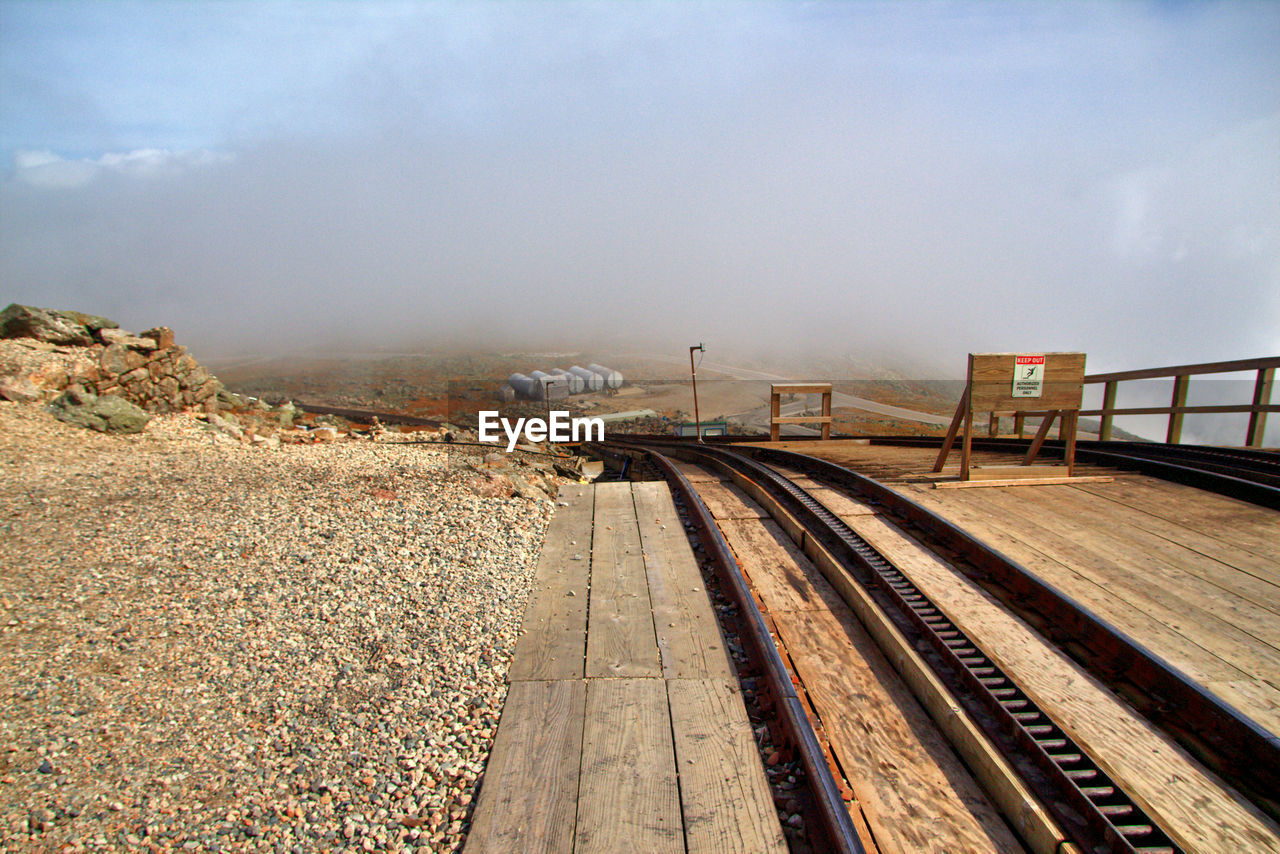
x=826 y=414
x=1041 y=435
x=966 y=445
x=1019 y=423
x=952 y=431
x=775 y=406
x=801 y=388
x=1261 y=397
x=1180 y=383
x=1108 y=403
x=1070 y=426
x=802 y=419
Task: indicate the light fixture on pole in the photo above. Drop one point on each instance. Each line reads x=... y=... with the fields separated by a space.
x=693 y=371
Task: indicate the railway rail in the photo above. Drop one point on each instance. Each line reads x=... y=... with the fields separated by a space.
x=1089 y=806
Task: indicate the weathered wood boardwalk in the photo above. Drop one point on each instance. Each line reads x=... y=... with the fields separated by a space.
x=624 y=729
x=1190 y=574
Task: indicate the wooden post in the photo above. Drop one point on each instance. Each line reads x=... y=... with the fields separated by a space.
x=775 y=408
x=1108 y=403
x=1019 y=423
x=966 y=444
x=993 y=425
x=826 y=413
x=1261 y=397
x=1069 y=453
x=1180 y=383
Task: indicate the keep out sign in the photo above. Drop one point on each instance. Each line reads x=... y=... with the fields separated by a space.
x=1028 y=376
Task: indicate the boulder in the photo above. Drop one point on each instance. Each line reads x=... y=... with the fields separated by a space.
x=118 y=359
x=42 y=324
x=119 y=336
x=227 y=426
x=286 y=414
x=19 y=389
x=324 y=434
x=106 y=414
x=162 y=335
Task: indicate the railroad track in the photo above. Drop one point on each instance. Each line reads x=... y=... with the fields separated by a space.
x=1082 y=801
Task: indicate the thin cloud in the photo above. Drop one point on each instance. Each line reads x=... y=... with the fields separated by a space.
x=48 y=170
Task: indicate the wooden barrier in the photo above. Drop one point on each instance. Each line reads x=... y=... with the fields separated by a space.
x=1264 y=381
x=776 y=419
x=1017 y=384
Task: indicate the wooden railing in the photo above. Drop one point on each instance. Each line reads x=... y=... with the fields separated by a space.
x=1177 y=408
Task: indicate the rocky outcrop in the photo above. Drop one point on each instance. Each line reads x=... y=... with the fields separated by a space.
x=53 y=351
x=70 y=328
x=106 y=414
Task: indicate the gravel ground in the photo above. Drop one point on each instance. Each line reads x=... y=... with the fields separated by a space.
x=209 y=646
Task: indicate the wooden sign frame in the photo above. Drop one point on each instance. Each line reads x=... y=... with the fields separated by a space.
x=1051 y=384
x=776 y=419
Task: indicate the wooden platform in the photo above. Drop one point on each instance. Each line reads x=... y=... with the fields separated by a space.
x=1192 y=575
x=624 y=729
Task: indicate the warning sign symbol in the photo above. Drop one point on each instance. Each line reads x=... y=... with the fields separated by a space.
x=1028 y=376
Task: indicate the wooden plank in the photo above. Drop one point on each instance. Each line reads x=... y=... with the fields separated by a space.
x=800 y=388
x=1023 y=481
x=1244 y=526
x=689 y=641
x=1188 y=800
x=1024 y=544
x=726 y=501
x=724 y=795
x=553 y=636
x=781 y=574
x=1204 y=368
x=914 y=791
x=1147 y=563
x=1011 y=472
x=1202 y=561
x=628 y=800
x=529 y=798
x=1088 y=578
x=620 y=637
x=695 y=473
x=802 y=419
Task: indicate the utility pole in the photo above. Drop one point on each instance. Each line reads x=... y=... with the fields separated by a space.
x=693 y=371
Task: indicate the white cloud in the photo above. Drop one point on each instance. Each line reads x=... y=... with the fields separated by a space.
x=46 y=169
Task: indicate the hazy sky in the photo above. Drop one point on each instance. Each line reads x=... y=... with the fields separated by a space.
x=925 y=178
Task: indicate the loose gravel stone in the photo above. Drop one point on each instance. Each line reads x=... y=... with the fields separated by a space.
x=210 y=646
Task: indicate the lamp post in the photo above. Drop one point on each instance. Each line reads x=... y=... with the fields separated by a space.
x=693 y=371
